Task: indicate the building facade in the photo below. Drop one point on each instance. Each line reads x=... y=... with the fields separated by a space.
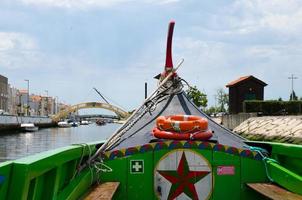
x=244 y=88
x=3 y=93
x=13 y=104
x=16 y=102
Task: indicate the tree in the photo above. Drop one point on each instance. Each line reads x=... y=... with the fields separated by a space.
x=293 y=96
x=198 y=98
x=212 y=110
x=223 y=100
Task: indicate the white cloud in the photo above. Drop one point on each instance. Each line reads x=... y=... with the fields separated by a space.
x=20 y=41
x=17 y=50
x=248 y=16
x=84 y=4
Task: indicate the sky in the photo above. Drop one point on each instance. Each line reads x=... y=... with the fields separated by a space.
x=67 y=47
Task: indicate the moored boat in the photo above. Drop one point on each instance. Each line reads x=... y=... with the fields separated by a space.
x=134 y=164
x=100 y=122
x=84 y=122
x=74 y=124
x=64 y=124
x=29 y=127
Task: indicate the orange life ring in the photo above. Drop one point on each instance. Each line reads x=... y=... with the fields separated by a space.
x=200 y=135
x=182 y=123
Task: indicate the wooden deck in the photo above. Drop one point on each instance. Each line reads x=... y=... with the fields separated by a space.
x=104 y=191
x=274 y=192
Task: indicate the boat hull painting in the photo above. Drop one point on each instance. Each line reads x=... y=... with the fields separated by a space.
x=184 y=170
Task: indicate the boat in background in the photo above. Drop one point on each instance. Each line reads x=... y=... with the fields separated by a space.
x=74 y=124
x=84 y=122
x=100 y=122
x=64 y=124
x=29 y=127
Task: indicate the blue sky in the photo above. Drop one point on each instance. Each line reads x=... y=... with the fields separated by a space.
x=70 y=46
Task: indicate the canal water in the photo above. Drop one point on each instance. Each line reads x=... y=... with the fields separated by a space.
x=18 y=145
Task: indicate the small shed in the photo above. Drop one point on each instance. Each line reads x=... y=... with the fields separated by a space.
x=244 y=88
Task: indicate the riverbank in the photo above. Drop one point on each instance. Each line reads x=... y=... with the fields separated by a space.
x=284 y=129
x=12 y=122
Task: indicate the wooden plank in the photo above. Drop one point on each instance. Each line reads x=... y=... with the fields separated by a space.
x=274 y=192
x=104 y=191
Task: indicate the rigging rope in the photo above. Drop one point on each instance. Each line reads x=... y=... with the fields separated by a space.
x=138 y=114
x=264 y=154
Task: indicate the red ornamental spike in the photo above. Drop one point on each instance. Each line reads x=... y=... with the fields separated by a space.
x=169 y=62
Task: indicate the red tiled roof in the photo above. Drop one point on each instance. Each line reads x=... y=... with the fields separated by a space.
x=35 y=98
x=244 y=78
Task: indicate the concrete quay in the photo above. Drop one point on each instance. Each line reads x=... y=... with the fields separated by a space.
x=287 y=129
x=12 y=122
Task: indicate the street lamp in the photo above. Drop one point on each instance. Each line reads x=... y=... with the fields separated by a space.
x=27 y=110
x=46 y=102
x=57 y=104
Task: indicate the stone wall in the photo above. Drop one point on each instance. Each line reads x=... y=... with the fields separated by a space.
x=10 y=122
x=272 y=128
x=232 y=121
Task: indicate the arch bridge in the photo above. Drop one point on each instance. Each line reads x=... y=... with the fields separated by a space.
x=64 y=113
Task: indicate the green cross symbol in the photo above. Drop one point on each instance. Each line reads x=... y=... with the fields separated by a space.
x=136 y=166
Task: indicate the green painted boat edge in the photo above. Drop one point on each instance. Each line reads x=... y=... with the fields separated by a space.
x=284 y=177
x=5 y=171
x=29 y=177
x=285 y=167
x=46 y=154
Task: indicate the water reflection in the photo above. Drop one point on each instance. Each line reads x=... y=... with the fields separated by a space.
x=17 y=145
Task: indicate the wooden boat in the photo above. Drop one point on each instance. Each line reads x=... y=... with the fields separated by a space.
x=29 y=127
x=133 y=164
x=100 y=122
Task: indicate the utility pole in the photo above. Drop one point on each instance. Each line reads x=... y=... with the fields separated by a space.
x=27 y=110
x=292 y=79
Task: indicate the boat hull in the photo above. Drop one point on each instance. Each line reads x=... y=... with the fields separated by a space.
x=30 y=129
x=218 y=172
x=54 y=174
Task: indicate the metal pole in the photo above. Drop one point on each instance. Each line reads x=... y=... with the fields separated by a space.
x=292 y=80
x=46 y=102
x=27 y=110
x=146 y=90
x=57 y=103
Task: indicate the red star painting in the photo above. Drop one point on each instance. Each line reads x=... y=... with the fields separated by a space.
x=182 y=179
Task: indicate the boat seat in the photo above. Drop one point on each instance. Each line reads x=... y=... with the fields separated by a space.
x=104 y=191
x=273 y=191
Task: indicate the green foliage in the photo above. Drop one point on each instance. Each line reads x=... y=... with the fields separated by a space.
x=223 y=100
x=212 y=110
x=293 y=96
x=198 y=98
x=273 y=107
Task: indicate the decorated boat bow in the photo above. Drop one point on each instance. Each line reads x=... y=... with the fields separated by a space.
x=167 y=149
x=177 y=151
